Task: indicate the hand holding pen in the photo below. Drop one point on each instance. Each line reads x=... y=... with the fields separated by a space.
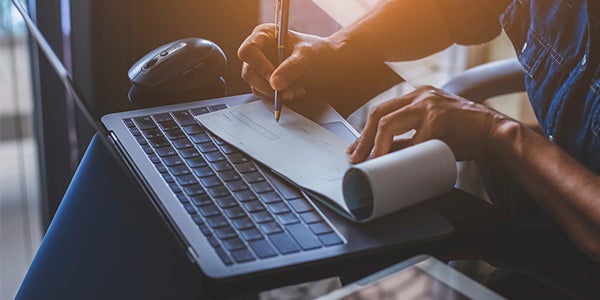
x=282 y=13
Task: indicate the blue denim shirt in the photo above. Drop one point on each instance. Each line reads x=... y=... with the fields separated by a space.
x=553 y=40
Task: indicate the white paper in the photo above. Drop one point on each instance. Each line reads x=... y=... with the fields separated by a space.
x=297 y=148
x=315 y=159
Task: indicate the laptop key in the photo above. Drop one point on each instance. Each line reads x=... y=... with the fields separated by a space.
x=173 y=161
x=201 y=199
x=213 y=241
x=283 y=243
x=219 y=191
x=223 y=255
x=311 y=217
x=226 y=202
x=196 y=162
x=205 y=229
x=144 y=122
x=158 y=142
x=189 y=208
x=164 y=117
x=179 y=170
x=241 y=256
x=225 y=232
x=238 y=185
x=194 y=190
x=193 y=129
x=182 y=144
x=235 y=212
x=186 y=180
x=287 y=191
x=262 y=217
x=254 y=177
x=262 y=187
x=320 y=228
x=175 y=188
x=165 y=151
x=141 y=140
x=189 y=153
x=200 y=138
x=197 y=219
x=154 y=158
x=174 y=134
x=135 y=131
x=242 y=223
x=228 y=149
x=168 y=178
x=214 y=157
x=161 y=168
x=303 y=236
x=300 y=205
x=288 y=218
x=330 y=239
x=222 y=166
x=238 y=158
x=182 y=198
x=217 y=107
x=262 y=248
x=219 y=141
x=152 y=133
x=270 y=228
x=147 y=149
x=244 y=196
x=217 y=221
x=200 y=110
x=184 y=117
x=211 y=181
x=278 y=207
x=251 y=234
x=128 y=122
x=207 y=147
x=166 y=126
x=229 y=175
x=269 y=198
x=253 y=206
x=203 y=171
x=246 y=167
x=209 y=210
x=234 y=244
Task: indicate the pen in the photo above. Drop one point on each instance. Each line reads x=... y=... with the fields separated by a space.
x=282 y=12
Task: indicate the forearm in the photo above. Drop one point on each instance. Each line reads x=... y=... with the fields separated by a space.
x=564 y=188
x=397 y=30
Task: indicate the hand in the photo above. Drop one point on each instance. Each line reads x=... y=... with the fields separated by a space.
x=435 y=114
x=312 y=63
x=328 y=68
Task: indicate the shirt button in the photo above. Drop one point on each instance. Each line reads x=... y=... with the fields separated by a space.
x=551 y=138
x=524 y=47
x=584 y=60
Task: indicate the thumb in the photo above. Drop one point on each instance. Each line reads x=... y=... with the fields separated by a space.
x=288 y=72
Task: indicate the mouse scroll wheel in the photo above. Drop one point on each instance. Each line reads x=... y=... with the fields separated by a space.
x=150 y=63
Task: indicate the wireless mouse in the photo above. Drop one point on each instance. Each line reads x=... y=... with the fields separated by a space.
x=180 y=71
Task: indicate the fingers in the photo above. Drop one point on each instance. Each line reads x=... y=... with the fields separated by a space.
x=260 y=85
x=254 y=51
x=291 y=69
x=396 y=123
x=361 y=148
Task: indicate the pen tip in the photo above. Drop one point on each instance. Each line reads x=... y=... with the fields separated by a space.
x=277 y=114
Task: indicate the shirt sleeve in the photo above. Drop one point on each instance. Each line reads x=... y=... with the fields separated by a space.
x=473 y=21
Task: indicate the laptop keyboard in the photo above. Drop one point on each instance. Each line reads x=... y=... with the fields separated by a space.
x=244 y=214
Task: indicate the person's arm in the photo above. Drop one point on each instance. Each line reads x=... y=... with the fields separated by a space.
x=568 y=191
x=562 y=186
x=348 y=65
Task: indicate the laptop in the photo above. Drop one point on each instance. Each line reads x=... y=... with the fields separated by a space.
x=234 y=217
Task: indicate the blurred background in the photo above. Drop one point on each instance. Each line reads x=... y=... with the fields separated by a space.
x=42 y=136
